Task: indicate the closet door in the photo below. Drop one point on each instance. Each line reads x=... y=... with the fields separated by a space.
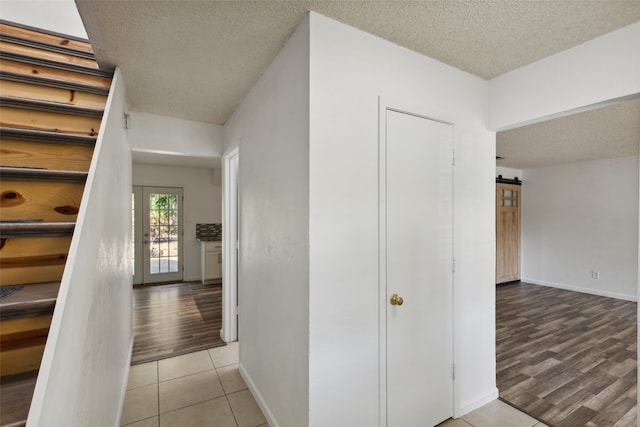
x=508 y=198
x=417 y=249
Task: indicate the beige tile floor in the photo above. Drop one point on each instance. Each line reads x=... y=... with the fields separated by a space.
x=494 y=414
x=205 y=389
x=197 y=389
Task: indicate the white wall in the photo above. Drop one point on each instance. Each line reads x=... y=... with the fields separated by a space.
x=579 y=218
x=202 y=203
x=272 y=128
x=60 y=16
x=84 y=369
x=349 y=70
x=600 y=70
x=174 y=140
x=508 y=173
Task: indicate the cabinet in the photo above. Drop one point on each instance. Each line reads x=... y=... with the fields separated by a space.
x=508 y=201
x=211 y=261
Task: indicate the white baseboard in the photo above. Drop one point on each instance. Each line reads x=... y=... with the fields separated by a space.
x=598 y=292
x=123 y=391
x=258 y=397
x=479 y=402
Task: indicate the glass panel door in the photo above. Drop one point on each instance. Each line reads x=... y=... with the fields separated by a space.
x=159 y=248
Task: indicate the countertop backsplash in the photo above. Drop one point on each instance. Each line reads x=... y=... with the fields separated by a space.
x=209 y=232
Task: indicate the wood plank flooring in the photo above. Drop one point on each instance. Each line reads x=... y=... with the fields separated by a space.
x=567 y=358
x=170 y=320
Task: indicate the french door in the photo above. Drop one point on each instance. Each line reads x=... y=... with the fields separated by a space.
x=157 y=234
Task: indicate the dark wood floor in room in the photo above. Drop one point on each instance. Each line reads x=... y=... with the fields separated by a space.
x=170 y=320
x=567 y=358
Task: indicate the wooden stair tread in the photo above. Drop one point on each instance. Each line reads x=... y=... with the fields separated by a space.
x=16 y=393
x=27 y=68
x=35 y=135
x=47 y=36
x=50 y=107
x=35 y=228
x=35 y=52
x=52 y=82
x=30 y=118
x=37 y=174
x=32 y=300
x=11 y=38
x=61 y=65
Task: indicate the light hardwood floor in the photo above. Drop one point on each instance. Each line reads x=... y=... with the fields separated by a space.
x=567 y=358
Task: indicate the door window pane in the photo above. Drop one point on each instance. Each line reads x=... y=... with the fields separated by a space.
x=163 y=220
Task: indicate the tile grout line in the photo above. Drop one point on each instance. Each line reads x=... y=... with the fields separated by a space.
x=215 y=370
x=223 y=389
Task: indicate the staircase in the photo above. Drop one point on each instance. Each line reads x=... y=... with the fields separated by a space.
x=52 y=97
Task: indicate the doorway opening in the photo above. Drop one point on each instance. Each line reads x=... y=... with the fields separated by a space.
x=231 y=250
x=566 y=348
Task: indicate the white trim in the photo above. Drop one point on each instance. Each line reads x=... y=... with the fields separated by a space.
x=598 y=292
x=382 y=265
x=258 y=397
x=125 y=383
x=230 y=251
x=478 y=403
x=138 y=225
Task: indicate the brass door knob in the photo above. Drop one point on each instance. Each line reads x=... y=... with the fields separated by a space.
x=396 y=300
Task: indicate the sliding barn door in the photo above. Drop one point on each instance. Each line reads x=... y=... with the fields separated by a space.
x=508 y=198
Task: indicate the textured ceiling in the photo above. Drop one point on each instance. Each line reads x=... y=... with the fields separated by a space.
x=198 y=59
x=607 y=132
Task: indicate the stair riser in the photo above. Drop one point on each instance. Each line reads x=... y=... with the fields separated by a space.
x=54 y=73
x=22 y=259
x=44 y=155
x=33 y=260
x=53 y=56
x=47 y=201
x=19 y=354
x=34 y=274
x=52 y=94
x=53 y=122
x=34 y=246
x=21 y=360
x=20 y=340
x=45 y=38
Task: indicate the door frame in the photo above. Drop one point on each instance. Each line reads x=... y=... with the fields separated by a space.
x=385 y=105
x=138 y=235
x=230 y=244
x=139 y=191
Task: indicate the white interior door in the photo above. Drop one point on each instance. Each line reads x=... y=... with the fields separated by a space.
x=418 y=261
x=157 y=234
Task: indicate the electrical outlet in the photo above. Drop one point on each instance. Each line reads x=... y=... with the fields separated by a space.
x=595 y=274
